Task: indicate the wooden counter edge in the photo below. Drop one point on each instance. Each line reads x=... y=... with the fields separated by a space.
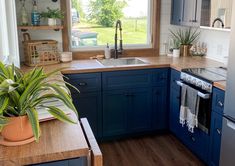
x=220 y=85
x=96 y=154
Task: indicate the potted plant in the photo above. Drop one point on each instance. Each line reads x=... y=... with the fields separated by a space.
x=176 y=47
x=52 y=15
x=186 y=37
x=20 y=96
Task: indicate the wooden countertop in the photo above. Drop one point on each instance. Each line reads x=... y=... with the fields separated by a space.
x=89 y=66
x=58 y=141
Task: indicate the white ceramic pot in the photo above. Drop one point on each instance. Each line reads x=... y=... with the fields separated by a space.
x=51 y=21
x=66 y=56
x=176 y=53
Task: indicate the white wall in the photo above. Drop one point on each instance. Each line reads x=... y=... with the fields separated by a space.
x=217 y=41
x=39 y=34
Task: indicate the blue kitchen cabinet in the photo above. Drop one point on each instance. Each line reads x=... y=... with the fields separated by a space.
x=177 y=12
x=140 y=110
x=82 y=161
x=115 y=108
x=160 y=112
x=89 y=105
x=215 y=139
x=216 y=126
x=89 y=101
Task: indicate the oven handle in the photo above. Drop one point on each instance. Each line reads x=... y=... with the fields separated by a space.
x=200 y=94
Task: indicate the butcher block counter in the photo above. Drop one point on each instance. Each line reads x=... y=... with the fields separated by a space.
x=89 y=66
x=59 y=142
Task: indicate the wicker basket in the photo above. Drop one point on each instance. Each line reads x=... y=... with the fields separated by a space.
x=40 y=52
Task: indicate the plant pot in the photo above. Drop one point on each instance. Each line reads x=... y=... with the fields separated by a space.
x=18 y=129
x=51 y=21
x=185 y=50
x=176 y=53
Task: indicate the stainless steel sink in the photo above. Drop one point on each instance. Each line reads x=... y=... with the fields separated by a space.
x=122 y=62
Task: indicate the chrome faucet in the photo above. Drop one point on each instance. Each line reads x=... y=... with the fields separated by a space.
x=220 y=20
x=117 y=51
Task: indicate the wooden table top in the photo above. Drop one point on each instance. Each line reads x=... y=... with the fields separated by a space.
x=58 y=141
x=89 y=66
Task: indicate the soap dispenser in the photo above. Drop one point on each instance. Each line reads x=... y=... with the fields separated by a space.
x=107 y=52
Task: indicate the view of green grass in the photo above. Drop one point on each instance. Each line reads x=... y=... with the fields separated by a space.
x=134 y=31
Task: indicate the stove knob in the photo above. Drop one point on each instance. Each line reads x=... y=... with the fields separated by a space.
x=194 y=81
x=199 y=84
x=188 y=79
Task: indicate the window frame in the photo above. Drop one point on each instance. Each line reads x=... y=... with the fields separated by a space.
x=153 y=49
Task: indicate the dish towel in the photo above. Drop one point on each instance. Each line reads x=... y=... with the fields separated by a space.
x=189 y=107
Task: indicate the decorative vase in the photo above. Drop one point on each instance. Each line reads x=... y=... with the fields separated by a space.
x=51 y=21
x=176 y=53
x=185 y=50
x=18 y=129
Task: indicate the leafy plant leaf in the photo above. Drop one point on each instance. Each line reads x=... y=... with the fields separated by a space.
x=33 y=118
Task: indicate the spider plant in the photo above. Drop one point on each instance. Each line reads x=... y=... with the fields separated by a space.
x=185 y=36
x=53 y=13
x=22 y=93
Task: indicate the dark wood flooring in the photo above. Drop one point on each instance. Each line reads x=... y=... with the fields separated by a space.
x=159 y=150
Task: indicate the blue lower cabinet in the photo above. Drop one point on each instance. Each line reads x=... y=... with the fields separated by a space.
x=82 y=161
x=215 y=139
x=160 y=113
x=89 y=105
x=115 y=108
x=140 y=109
x=197 y=142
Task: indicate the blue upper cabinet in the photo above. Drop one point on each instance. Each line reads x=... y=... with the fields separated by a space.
x=177 y=12
x=186 y=12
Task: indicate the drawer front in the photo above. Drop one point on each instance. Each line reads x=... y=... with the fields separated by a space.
x=175 y=76
x=197 y=142
x=85 y=82
x=160 y=77
x=218 y=101
x=126 y=79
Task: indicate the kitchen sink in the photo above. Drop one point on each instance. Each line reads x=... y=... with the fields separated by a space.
x=122 y=62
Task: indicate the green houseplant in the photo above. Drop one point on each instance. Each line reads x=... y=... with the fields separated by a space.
x=20 y=96
x=186 y=37
x=52 y=15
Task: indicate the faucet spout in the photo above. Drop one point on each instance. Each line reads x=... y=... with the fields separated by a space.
x=118 y=51
x=220 y=20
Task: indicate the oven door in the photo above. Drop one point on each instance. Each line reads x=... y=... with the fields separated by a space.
x=204 y=114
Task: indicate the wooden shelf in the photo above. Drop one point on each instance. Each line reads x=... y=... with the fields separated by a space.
x=41 y=27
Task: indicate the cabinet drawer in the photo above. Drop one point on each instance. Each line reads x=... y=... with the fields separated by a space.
x=175 y=76
x=160 y=76
x=85 y=82
x=126 y=79
x=218 y=101
x=197 y=142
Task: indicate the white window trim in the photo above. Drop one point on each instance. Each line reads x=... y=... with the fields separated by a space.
x=125 y=46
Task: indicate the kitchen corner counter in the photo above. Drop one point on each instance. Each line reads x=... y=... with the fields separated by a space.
x=89 y=66
x=58 y=141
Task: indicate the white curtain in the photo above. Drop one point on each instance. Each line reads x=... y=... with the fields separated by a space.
x=9 y=46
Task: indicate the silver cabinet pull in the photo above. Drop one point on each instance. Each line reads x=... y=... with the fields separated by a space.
x=220 y=103
x=218 y=131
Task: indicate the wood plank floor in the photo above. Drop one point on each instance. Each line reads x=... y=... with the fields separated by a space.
x=159 y=150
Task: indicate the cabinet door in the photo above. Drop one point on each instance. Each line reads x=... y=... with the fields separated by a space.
x=139 y=114
x=115 y=107
x=174 y=111
x=160 y=113
x=215 y=139
x=89 y=106
x=191 y=13
x=176 y=12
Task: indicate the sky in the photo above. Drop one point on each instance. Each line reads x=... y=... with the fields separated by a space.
x=135 y=8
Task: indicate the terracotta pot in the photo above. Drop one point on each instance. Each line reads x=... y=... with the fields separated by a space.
x=185 y=50
x=18 y=129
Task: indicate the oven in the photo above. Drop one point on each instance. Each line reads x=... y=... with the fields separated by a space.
x=204 y=89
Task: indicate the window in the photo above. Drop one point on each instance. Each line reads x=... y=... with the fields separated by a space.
x=93 y=23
